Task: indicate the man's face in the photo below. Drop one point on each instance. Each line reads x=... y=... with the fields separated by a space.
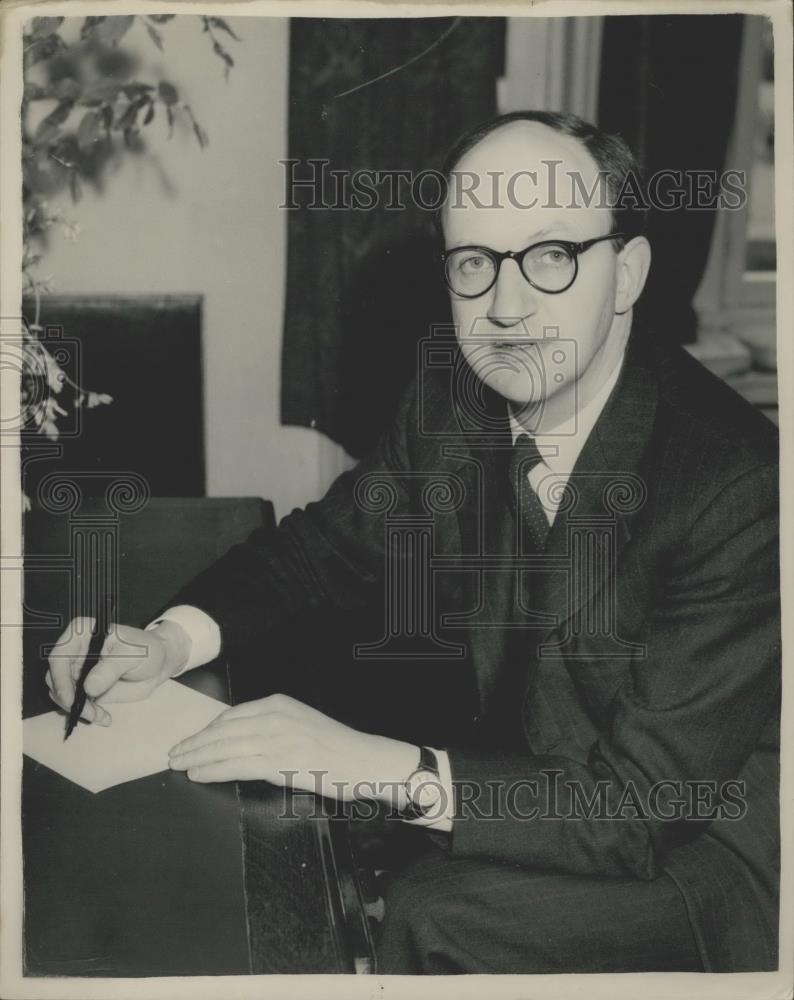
x=531 y=346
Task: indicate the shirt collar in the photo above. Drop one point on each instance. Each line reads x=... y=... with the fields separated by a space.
x=560 y=446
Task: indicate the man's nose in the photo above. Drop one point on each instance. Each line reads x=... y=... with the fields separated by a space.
x=513 y=297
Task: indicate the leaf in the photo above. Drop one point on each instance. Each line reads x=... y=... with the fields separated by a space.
x=132 y=139
x=106 y=116
x=66 y=89
x=43 y=175
x=39 y=50
x=219 y=50
x=201 y=136
x=170 y=116
x=221 y=25
x=149 y=114
x=161 y=18
x=75 y=187
x=89 y=24
x=101 y=93
x=60 y=113
x=113 y=29
x=46 y=134
x=127 y=120
x=155 y=35
x=41 y=27
x=137 y=90
x=88 y=131
x=49 y=127
x=168 y=93
x=33 y=92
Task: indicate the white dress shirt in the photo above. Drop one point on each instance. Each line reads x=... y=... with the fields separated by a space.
x=559 y=447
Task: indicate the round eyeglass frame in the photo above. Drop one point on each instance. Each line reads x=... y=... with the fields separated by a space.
x=573 y=248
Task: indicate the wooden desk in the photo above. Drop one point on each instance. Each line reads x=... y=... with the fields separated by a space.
x=142 y=879
x=164 y=877
x=160 y=876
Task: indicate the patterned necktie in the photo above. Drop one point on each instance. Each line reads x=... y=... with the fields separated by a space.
x=528 y=509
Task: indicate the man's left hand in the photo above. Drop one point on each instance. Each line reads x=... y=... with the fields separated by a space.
x=285 y=742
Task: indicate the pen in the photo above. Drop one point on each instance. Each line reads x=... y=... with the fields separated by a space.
x=104 y=619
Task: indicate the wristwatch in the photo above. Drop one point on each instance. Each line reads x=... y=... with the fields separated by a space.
x=422 y=786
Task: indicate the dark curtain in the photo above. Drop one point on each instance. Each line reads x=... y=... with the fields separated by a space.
x=668 y=86
x=363 y=285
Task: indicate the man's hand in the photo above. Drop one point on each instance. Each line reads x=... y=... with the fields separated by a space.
x=132 y=664
x=285 y=742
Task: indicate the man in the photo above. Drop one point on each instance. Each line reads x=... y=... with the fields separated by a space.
x=609 y=801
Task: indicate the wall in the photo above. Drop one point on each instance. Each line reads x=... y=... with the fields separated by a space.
x=207 y=221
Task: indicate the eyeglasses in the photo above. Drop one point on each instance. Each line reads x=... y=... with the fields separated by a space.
x=550 y=266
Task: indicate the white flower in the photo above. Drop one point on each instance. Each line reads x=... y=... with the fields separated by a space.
x=47 y=422
x=97 y=398
x=71 y=231
x=55 y=374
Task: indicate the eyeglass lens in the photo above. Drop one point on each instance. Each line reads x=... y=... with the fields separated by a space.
x=550 y=267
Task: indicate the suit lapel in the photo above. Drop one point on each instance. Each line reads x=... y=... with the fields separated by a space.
x=605 y=483
x=606 y=491
x=486 y=528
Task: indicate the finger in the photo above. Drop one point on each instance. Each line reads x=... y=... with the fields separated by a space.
x=127 y=690
x=91 y=712
x=214 y=753
x=216 y=731
x=112 y=666
x=95 y=713
x=236 y=769
x=66 y=657
x=75 y=649
x=61 y=688
x=236 y=729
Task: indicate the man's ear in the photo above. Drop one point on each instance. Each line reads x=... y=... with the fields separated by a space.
x=634 y=262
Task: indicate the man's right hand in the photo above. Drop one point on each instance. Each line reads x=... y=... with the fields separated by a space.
x=132 y=664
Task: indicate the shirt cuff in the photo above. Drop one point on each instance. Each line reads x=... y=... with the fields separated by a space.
x=202 y=631
x=440 y=818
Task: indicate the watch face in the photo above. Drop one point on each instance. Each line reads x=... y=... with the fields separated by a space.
x=424 y=789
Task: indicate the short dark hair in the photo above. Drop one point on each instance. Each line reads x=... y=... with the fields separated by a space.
x=613 y=157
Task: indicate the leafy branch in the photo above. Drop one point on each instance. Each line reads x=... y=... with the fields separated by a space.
x=96 y=111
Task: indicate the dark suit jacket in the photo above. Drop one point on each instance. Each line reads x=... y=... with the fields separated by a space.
x=678 y=683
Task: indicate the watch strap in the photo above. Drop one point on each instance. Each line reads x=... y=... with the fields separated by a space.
x=427 y=762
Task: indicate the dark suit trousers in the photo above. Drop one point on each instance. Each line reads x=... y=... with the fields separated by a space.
x=449 y=916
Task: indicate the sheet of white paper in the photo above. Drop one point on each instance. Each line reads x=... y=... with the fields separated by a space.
x=134 y=745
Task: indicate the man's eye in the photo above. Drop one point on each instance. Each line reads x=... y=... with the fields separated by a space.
x=554 y=256
x=474 y=263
